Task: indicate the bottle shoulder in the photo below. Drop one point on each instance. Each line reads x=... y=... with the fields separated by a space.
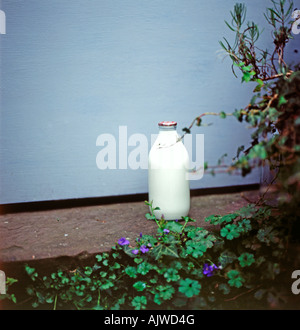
x=163 y=149
x=164 y=139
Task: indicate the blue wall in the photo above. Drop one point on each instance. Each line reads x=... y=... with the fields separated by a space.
x=72 y=70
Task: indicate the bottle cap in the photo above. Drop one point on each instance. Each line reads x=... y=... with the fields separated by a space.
x=167 y=123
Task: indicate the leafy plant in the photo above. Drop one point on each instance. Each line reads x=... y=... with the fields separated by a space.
x=10 y=296
x=273 y=112
x=241 y=261
x=182 y=265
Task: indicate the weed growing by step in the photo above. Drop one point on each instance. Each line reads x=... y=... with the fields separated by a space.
x=183 y=266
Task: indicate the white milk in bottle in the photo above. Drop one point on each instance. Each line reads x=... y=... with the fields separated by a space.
x=168 y=181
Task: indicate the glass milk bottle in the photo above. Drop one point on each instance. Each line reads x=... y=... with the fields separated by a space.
x=168 y=181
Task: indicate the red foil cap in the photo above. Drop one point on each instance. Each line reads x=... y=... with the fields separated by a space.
x=167 y=123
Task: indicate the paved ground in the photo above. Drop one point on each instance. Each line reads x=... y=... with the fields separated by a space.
x=87 y=230
x=68 y=238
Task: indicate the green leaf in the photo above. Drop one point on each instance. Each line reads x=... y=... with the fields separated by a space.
x=228 y=217
x=254 y=98
x=31 y=272
x=50 y=300
x=189 y=287
x=164 y=292
x=260 y=82
x=174 y=226
x=144 y=268
x=258 y=86
x=238 y=114
x=247 y=68
x=267 y=235
x=107 y=284
x=171 y=274
x=235 y=278
x=247 y=76
x=201 y=241
x=103 y=274
x=88 y=271
x=138 y=260
x=230 y=231
x=10 y=281
x=273 y=114
x=188 y=219
x=227 y=257
x=139 y=302
x=258 y=151
x=247 y=211
x=13 y=298
x=161 y=249
x=240 y=64
x=147 y=240
x=246 y=259
x=196 y=250
x=140 y=286
x=131 y=271
x=214 y=219
x=150 y=216
x=222 y=114
x=224 y=288
x=98 y=257
x=116 y=265
x=230 y=27
x=239 y=150
x=244 y=225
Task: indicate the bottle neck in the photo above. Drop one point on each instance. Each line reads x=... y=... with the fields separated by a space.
x=167 y=129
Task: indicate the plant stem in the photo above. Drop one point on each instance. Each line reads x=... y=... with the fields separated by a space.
x=241 y=294
x=55 y=301
x=199 y=117
x=99 y=295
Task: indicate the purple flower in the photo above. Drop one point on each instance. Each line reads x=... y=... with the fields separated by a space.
x=144 y=249
x=166 y=231
x=208 y=270
x=123 y=241
x=135 y=251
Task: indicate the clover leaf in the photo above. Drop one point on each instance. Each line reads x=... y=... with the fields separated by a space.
x=230 y=231
x=139 y=286
x=246 y=259
x=235 y=278
x=171 y=275
x=189 y=287
x=163 y=292
x=139 y=302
